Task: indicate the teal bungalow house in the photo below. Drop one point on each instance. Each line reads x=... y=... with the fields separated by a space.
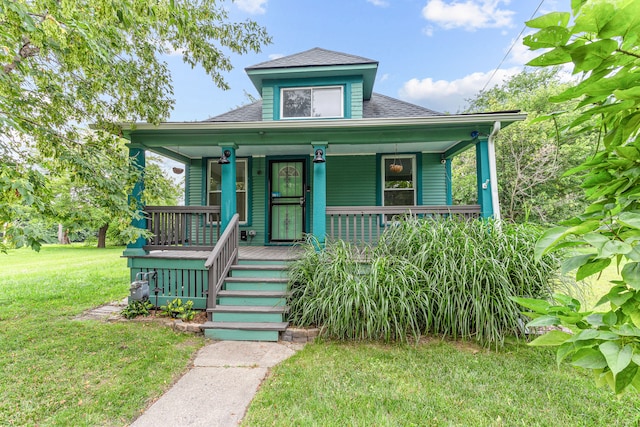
x=321 y=153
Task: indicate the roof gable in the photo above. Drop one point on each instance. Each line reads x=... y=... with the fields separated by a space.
x=312 y=64
x=313 y=58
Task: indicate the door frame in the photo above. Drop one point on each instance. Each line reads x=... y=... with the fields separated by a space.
x=268 y=204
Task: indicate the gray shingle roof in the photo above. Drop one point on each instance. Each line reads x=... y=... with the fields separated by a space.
x=382 y=106
x=312 y=58
x=246 y=113
x=378 y=107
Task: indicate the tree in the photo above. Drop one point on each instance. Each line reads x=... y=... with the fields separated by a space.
x=79 y=209
x=66 y=63
x=530 y=158
x=603 y=44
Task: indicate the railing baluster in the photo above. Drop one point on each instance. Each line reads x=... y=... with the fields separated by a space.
x=182 y=227
x=378 y=216
x=331 y=226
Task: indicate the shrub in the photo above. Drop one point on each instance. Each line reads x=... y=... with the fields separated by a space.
x=137 y=308
x=177 y=310
x=440 y=276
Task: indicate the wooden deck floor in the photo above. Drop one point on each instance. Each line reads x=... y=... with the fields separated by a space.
x=263 y=253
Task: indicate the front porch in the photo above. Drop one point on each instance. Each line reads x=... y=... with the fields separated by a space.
x=243 y=288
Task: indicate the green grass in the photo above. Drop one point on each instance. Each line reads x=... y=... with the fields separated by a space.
x=55 y=370
x=437 y=383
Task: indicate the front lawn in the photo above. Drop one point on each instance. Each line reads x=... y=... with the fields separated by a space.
x=55 y=370
x=436 y=383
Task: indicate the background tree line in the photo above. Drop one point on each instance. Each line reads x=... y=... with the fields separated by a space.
x=531 y=156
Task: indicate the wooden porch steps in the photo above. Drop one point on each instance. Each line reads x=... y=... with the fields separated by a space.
x=256 y=294
x=252 y=303
x=244 y=331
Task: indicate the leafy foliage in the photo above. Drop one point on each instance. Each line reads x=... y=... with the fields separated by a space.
x=137 y=308
x=177 y=310
x=440 y=276
x=66 y=63
x=602 y=42
x=80 y=207
x=531 y=157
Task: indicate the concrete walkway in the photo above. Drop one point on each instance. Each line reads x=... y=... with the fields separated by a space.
x=218 y=389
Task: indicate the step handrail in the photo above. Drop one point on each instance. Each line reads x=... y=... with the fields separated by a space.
x=222 y=257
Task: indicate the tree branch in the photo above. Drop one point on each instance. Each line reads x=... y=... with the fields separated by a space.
x=626 y=52
x=26 y=51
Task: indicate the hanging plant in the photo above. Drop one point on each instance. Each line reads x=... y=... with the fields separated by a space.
x=395 y=167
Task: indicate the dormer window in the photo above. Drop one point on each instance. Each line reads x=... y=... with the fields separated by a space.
x=312 y=102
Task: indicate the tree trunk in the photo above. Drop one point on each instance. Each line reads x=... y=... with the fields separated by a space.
x=102 y=236
x=63 y=235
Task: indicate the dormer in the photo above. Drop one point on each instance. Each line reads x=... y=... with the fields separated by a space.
x=314 y=85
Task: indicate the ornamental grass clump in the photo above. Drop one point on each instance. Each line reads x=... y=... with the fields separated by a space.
x=441 y=276
x=474 y=266
x=353 y=296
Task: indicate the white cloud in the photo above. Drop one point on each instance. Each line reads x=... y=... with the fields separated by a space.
x=384 y=77
x=470 y=14
x=379 y=3
x=254 y=7
x=451 y=96
x=428 y=31
x=520 y=54
x=275 y=56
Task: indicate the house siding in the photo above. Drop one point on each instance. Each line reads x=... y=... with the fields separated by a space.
x=195 y=194
x=351 y=180
x=257 y=192
x=356 y=100
x=267 y=103
x=433 y=183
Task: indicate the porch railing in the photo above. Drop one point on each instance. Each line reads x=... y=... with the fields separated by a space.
x=223 y=256
x=366 y=223
x=182 y=227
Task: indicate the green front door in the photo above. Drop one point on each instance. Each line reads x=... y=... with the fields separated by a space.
x=287 y=191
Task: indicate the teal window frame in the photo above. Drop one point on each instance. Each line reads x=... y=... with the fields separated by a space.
x=312 y=89
x=345 y=82
x=414 y=176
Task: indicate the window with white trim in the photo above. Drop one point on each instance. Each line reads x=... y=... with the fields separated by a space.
x=214 y=191
x=399 y=180
x=308 y=102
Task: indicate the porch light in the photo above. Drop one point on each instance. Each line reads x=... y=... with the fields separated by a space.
x=319 y=156
x=224 y=160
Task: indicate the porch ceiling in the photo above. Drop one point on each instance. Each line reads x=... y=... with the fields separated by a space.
x=196 y=152
x=184 y=141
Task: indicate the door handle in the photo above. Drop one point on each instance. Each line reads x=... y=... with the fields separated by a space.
x=302 y=201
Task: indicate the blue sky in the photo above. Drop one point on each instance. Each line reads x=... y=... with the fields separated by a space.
x=435 y=53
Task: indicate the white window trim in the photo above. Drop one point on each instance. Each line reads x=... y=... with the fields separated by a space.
x=246 y=185
x=282 y=89
x=413 y=175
